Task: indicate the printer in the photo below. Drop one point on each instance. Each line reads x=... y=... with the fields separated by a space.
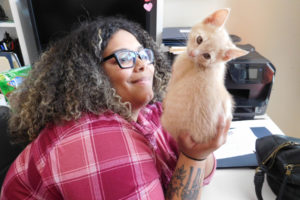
x=249 y=78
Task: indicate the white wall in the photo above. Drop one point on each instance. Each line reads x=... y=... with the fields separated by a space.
x=273 y=27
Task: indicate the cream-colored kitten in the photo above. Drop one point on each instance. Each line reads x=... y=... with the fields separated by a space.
x=196 y=95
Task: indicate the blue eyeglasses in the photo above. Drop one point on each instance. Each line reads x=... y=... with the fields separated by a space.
x=127 y=58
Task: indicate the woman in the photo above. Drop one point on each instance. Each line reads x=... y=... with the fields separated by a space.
x=90 y=110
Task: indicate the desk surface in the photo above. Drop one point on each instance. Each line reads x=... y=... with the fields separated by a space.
x=235 y=184
x=238 y=183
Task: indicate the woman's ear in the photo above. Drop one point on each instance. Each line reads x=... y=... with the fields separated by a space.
x=218 y=18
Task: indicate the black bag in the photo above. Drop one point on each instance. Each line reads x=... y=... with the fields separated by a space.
x=279 y=157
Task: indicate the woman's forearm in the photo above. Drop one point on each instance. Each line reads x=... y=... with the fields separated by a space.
x=209 y=165
x=187 y=179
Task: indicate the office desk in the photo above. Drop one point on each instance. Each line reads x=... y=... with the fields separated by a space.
x=238 y=183
x=234 y=184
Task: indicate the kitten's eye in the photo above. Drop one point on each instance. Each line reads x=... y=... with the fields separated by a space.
x=199 y=39
x=206 y=56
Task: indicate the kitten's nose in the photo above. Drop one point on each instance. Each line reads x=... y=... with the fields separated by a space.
x=194 y=53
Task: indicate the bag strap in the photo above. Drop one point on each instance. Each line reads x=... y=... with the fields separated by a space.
x=282 y=187
x=259 y=180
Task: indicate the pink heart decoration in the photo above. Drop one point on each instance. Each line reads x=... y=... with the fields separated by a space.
x=148 y=6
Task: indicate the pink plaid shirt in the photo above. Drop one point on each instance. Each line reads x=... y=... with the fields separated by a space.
x=96 y=157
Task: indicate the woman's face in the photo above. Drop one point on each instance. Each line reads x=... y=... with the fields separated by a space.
x=132 y=84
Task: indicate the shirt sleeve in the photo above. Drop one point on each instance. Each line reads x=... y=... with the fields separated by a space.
x=207 y=179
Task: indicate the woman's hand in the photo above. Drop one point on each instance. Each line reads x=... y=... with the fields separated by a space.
x=202 y=150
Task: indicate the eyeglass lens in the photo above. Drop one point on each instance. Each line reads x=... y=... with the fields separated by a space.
x=128 y=58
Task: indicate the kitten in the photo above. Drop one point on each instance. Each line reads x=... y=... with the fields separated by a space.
x=196 y=95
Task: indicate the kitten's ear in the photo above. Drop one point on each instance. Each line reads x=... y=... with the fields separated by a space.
x=234 y=53
x=218 y=18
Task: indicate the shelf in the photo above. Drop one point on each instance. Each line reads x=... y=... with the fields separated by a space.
x=7 y=24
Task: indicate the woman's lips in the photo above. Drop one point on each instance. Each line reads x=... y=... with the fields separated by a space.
x=143 y=80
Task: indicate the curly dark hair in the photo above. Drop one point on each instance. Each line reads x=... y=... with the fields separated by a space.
x=68 y=79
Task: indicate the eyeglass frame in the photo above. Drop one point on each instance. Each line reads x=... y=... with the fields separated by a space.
x=137 y=54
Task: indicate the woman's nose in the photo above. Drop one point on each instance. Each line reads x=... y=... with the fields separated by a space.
x=140 y=64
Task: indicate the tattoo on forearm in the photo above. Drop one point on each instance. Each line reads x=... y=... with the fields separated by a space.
x=177 y=184
x=192 y=193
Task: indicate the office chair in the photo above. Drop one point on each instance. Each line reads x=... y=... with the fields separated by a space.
x=8 y=152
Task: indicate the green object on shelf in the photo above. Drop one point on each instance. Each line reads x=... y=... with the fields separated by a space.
x=10 y=80
x=6 y=21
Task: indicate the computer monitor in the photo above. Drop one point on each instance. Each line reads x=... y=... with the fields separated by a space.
x=53 y=19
